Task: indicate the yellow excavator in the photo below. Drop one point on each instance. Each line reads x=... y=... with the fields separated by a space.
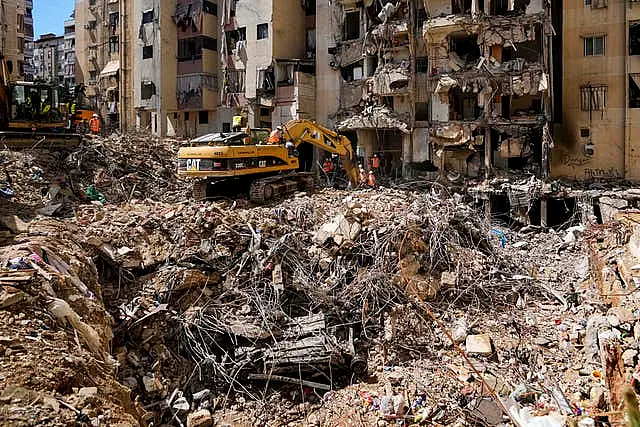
x=270 y=171
x=33 y=113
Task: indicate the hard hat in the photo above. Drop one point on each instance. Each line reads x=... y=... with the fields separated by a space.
x=370 y=172
x=95 y=115
x=279 y=128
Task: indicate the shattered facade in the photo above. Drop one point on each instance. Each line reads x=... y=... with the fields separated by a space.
x=154 y=65
x=367 y=75
x=488 y=68
x=267 y=60
x=194 y=92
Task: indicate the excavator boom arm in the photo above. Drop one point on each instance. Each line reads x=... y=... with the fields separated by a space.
x=299 y=131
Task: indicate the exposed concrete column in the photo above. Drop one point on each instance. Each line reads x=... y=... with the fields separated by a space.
x=487 y=152
x=544 y=212
x=487 y=7
x=487 y=209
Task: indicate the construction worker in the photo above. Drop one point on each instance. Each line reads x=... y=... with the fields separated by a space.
x=275 y=137
x=371 y=180
x=375 y=163
x=237 y=123
x=363 y=176
x=291 y=148
x=94 y=124
x=327 y=165
x=71 y=112
x=71 y=108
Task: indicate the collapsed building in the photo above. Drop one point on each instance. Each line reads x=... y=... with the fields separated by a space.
x=367 y=75
x=463 y=84
x=489 y=80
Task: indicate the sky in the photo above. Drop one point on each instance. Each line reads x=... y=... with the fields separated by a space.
x=49 y=16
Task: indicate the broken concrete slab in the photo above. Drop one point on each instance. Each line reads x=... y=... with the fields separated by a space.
x=14 y=223
x=479 y=344
x=10 y=296
x=201 y=418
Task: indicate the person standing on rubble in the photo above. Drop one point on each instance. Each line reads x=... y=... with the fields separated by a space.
x=375 y=163
x=371 y=180
x=363 y=177
x=94 y=124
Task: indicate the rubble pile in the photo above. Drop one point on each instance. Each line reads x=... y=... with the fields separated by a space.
x=56 y=365
x=300 y=293
x=114 y=169
x=369 y=307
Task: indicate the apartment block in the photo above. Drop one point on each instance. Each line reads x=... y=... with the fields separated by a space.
x=267 y=61
x=368 y=84
x=98 y=34
x=154 y=65
x=194 y=76
x=69 y=52
x=489 y=80
x=28 y=40
x=48 y=58
x=598 y=132
x=12 y=37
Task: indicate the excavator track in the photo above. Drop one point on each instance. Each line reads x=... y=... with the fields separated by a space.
x=17 y=140
x=266 y=189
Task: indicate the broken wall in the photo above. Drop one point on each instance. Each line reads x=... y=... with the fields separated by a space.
x=259 y=52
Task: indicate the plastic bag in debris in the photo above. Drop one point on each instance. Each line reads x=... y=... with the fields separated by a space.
x=93 y=194
x=501 y=236
x=6 y=192
x=64 y=313
x=524 y=418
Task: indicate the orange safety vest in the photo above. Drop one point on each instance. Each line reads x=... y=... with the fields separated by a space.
x=274 y=137
x=94 y=125
x=372 y=180
x=375 y=162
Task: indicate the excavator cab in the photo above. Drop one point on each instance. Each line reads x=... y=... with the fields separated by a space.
x=35 y=106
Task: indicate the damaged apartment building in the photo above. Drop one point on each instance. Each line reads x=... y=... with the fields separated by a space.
x=267 y=60
x=371 y=74
x=489 y=79
x=463 y=84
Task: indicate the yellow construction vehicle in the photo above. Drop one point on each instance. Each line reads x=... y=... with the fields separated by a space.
x=33 y=112
x=269 y=171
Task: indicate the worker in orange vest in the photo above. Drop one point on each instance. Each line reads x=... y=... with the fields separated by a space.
x=327 y=166
x=275 y=137
x=371 y=180
x=375 y=163
x=94 y=124
x=363 y=177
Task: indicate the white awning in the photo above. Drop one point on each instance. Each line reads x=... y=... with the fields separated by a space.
x=110 y=69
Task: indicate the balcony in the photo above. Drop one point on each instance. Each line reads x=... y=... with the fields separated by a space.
x=188 y=23
x=197 y=91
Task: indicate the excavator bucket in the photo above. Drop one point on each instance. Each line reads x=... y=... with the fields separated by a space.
x=17 y=140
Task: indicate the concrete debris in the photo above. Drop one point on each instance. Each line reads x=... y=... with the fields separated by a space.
x=146 y=308
x=375 y=118
x=201 y=418
x=479 y=344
